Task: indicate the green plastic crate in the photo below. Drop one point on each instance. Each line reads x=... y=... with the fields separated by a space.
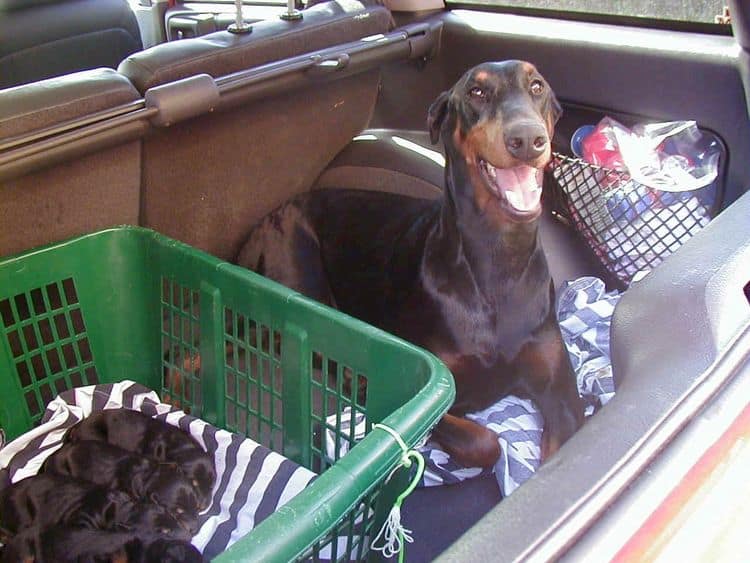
x=128 y=303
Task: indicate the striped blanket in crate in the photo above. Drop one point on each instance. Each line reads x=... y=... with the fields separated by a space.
x=251 y=480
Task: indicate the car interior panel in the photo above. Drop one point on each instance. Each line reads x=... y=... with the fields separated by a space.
x=51 y=202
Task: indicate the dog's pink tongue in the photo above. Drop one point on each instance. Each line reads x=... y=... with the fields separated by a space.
x=521 y=186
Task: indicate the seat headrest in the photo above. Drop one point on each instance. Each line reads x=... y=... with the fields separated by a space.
x=222 y=53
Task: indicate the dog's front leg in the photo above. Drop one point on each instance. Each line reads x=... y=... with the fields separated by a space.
x=549 y=381
x=469 y=443
x=562 y=417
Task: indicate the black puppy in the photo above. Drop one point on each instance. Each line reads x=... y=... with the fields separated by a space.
x=198 y=468
x=136 y=432
x=143 y=478
x=58 y=544
x=47 y=500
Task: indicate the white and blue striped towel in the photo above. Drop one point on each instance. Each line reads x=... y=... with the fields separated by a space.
x=252 y=481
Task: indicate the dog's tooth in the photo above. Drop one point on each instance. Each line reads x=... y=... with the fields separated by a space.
x=523 y=201
x=514 y=199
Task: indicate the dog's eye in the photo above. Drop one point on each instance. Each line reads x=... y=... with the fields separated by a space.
x=478 y=93
x=536 y=87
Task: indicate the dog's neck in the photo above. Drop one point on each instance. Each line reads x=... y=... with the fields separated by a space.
x=481 y=269
x=493 y=251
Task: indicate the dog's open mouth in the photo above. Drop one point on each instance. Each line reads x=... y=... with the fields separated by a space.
x=520 y=188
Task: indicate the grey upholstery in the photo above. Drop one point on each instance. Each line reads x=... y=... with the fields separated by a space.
x=45 y=38
x=31 y=107
x=741 y=31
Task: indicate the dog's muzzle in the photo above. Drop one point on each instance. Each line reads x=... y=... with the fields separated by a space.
x=519 y=187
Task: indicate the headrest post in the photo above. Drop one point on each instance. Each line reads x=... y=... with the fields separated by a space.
x=239 y=25
x=292 y=13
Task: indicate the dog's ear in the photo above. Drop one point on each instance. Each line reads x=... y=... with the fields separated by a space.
x=556 y=109
x=436 y=115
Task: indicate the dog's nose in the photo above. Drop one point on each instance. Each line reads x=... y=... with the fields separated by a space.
x=526 y=140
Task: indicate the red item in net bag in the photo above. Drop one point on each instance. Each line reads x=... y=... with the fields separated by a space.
x=601 y=147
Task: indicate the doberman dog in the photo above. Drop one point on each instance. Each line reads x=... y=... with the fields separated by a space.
x=464 y=276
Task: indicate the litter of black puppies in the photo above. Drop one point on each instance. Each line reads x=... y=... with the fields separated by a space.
x=123 y=488
x=139 y=433
x=143 y=478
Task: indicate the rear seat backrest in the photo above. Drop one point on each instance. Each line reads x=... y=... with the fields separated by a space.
x=80 y=196
x=44 y=38
x=207 y=180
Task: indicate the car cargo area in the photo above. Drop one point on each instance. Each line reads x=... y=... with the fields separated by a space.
x=188 y=143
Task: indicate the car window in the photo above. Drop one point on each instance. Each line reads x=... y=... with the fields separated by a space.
x=714 y=12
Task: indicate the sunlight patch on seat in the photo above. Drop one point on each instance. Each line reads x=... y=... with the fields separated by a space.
x=434 y=156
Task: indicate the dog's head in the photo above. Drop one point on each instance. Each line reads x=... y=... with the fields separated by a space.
x=172 y=490
x=147 y=519
x=497 y=121
x=198 y=467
